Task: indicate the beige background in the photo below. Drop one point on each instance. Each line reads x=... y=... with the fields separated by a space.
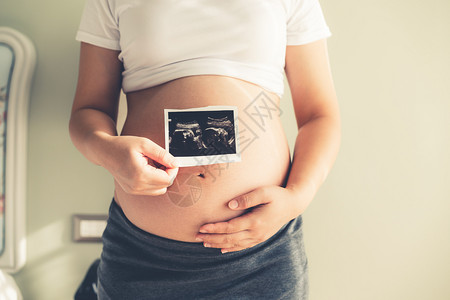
x=378 y=229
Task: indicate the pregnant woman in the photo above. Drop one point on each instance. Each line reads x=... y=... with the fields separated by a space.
x=222 y=230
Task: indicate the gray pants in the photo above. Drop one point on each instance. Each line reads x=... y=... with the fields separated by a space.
x=138 y=265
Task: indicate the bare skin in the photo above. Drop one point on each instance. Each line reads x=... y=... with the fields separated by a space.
x=216 y=213
x=166 y=215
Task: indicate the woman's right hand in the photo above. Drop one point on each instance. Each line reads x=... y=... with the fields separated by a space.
x=140 y=166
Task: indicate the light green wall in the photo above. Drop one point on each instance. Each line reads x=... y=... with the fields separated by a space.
x=60 y=181
x=379 y=227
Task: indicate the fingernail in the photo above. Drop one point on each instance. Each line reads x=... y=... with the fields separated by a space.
x=207 y=245
x=203 y=231
x=198 y=239
x=224 y=251
x=233 y=204
x=175 y=162
x=172 y=180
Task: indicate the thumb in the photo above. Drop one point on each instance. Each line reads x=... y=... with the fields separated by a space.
x=246 y=201
x=159 y=154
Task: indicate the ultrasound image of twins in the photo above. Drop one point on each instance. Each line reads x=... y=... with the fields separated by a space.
x=201 y=133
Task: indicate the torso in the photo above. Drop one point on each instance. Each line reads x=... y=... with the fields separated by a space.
x=200 y=194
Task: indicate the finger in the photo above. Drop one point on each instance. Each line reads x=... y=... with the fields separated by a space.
x=145 y=190
x=165 y=176
x=239 y=248
x=241 y=223
x=159 y=154
x=158 y=192
x=156 y=167
x=172 y=174
x=151 y=192
x=223 y=239
x=155 y=176
x=248 y=200
x=239 y=245
x=143 y=183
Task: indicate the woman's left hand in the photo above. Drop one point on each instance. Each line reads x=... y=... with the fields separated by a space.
x=269 y=208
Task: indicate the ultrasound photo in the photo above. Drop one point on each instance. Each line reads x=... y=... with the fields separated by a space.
x=202 y=132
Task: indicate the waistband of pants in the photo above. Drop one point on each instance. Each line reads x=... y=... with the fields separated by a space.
x=136 y=237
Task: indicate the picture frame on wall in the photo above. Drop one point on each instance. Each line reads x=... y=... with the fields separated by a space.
x=17 y=64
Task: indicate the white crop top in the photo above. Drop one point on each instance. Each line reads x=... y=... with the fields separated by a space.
x=162 y=40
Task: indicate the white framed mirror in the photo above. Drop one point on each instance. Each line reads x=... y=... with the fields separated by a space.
x=17 y=63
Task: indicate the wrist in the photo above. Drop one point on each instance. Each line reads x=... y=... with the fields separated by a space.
x=302 y=194
x=99 y=146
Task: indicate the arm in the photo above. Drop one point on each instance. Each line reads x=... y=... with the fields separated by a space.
x=93 y=127
x=95 y=106
x=317 y=113
x=316 y=147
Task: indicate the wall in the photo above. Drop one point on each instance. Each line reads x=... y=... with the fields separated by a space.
x=378 y=229
x=60 y=181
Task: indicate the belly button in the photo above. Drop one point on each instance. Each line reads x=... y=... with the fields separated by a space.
x=201 y=171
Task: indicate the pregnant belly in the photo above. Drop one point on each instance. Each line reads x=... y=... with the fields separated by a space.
x=200 y=194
